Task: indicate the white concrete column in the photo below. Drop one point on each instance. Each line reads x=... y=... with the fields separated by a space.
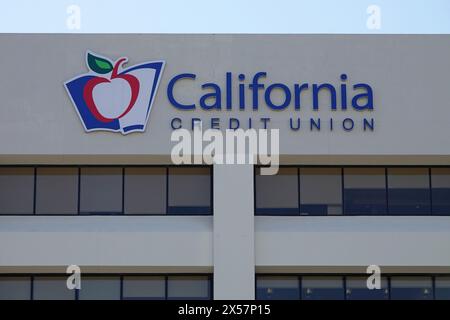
x=234 y=241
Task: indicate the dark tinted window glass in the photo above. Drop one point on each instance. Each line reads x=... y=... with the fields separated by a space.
x=409 y=192
x=15 y=288
x=143 y=287
x=106 y=287
x=188 y=287
x=99 y=288
x=277 y=194
x=189 y=190
x=320 y=191
x=277 y=288
x=411 y=288
x=16 y=190
x=101 y=190
x=145 y=190
x=356 y=289
x=57 y=190
x=322 y=288
x=440 y=184
x=52 y=288
x=365 y=191
x=442 y=285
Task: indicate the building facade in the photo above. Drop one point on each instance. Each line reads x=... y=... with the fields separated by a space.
x=87 y=178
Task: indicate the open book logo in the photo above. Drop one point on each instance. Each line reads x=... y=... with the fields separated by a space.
x=111 y=98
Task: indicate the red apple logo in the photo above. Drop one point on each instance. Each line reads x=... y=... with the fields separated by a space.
x=110 y=98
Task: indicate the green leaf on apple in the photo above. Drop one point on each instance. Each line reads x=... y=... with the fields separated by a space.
x=98 y=64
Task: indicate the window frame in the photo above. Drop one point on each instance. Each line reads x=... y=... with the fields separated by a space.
x=346 y=214
x=122 y=212
x=32 y=276
x=387 y=276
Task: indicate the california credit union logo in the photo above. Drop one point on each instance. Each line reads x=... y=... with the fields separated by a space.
x=113 y=98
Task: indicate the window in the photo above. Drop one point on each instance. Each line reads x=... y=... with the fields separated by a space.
x=268 y=287
x=145 y=190
x=189 y=190
x=356 y=289
x=51 y=288
x=277 y=194
x=16 y=190
x=188 y=287
x=15 y=288
x=352 y=287
x=101 y=190
x=322 y=288
x=442 y=287
x=144 y=288
x=105 y=190
x=277 y=288
x=365 y=191
x=320 y=191
x=100 y=288
x=56 y=190
x=106 y=287
x=409 y=191
x=440 y=184
x=411 y=288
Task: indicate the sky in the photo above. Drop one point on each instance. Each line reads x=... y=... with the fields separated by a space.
x=227 y=16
